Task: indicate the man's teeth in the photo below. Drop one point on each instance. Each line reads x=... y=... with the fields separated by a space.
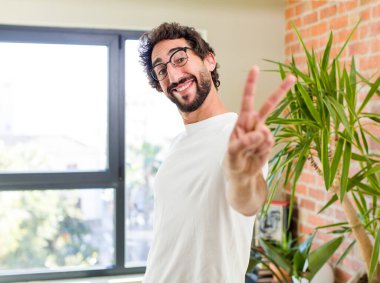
x=184 y=86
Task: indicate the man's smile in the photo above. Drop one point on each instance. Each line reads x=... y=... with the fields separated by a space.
x=182 y=87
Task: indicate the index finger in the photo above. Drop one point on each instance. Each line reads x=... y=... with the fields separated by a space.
x=249 y=90
x=271 y=103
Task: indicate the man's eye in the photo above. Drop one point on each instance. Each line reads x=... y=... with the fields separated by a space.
x=161 y=71
x=179 y=60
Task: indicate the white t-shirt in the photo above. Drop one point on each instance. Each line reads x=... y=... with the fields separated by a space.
x=198 y=237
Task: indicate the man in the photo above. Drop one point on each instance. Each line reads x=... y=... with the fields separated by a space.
x=210 y=186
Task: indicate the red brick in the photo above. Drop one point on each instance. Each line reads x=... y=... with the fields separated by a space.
x=301 y=189
x=375 y=29
x=328 y=12
x=307 y=204
x=290 y=37
x=376 y=11
x=316 y=4
x=293 y=1
x=319 y=181
x=305 y=230
x=289 y=12
x=288 y=51
x=312 y=43
x=335 y=50
x=300 y=8
x=310 y=18
x=365 y=15
x=339 y=22
x=307 y=178
x=325 y=237
x=364 y=31
x=318 y=194
x=344 y=6
x=359 y=48
x=319 y=28
x=340 y=215
x=305 y=32
x=317 y=220
x=297 y=22
x=365 y=2
x=369 y=62
x=351 y=264
x=375 y=45
x=374 y=145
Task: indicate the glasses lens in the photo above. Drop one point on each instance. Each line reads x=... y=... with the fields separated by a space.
x=179 y=58
x=159 y=72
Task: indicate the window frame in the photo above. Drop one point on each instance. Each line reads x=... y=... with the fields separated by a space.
x=113 y=177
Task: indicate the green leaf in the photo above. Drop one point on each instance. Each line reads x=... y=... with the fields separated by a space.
x=277 y=256
x=286 y=121
x=336 y=160
x=371 y=92
x=297 y=173
x=353 y=81
x=326 y=54
x=375 y=256
x=364 y=139
x=333 y=199
x=332 y=225
x=325 y=157
x=301 y=41
x=282 y=72
x=348 y=39
x=348 y=91
x=345 y=169
x=364 y=188
x=332 y=78
x=341 y=113
x=345 y=253
x=363 y=158
x=304 y=247
x=309 y=103
x=321 y=255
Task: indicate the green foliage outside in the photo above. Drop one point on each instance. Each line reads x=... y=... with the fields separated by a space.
x=41 y=228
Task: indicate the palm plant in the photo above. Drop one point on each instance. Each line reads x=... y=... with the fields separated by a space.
x=321 y=121
x=289 y=259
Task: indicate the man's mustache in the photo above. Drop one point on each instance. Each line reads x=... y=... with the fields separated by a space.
x=181 y=81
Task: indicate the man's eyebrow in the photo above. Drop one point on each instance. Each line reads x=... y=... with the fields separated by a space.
x=171 y=51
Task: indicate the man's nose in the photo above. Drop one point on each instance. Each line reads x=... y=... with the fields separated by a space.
x=174 y=73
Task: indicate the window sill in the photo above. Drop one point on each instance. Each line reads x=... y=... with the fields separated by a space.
x=113 y=279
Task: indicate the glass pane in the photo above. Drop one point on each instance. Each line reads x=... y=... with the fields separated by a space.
x=53 y=107
x=151 y=123
x=52 y=230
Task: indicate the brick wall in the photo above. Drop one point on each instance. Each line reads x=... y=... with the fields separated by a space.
x=315 y=20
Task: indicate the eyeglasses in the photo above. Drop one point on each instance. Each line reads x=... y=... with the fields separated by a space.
x=177 y=59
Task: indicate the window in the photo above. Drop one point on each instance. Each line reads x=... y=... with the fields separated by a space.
x=81 y=138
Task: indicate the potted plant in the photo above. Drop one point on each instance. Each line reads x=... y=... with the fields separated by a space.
x=322 y=122
x=290 y=261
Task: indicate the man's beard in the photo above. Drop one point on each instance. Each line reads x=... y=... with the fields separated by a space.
x=203 y=88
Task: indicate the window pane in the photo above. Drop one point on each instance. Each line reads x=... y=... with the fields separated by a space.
x=50 y=230
x=45 y=89
x=151 y=123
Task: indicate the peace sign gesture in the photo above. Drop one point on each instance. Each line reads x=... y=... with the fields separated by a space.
x=251 y=140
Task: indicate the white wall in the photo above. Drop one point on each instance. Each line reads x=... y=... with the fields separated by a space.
x=242 y=32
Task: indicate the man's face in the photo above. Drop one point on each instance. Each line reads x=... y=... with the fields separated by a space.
x=189 y=85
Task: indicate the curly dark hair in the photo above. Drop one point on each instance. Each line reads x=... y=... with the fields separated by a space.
x=173 y=31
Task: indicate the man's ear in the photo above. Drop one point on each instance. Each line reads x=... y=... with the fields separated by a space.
x=210 y=62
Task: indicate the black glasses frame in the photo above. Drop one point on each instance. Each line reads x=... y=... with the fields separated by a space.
x=153 y=73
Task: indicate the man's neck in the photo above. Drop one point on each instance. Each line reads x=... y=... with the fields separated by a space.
x=211 y=107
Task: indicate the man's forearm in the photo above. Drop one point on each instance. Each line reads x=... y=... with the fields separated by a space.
x=246 y=194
